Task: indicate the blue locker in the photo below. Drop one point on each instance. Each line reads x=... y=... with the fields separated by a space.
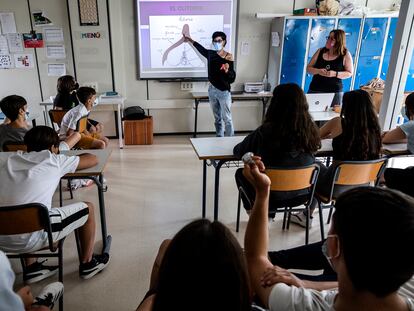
x=294 y=48
x=351 y=27
x=373 y=37
x=388 y=48
x=409 y=86
x=321 y=27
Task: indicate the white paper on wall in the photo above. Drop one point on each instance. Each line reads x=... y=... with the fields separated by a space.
x=8 y=23
x=15 y=41
x=23 y=60
x=56 y=70
x=6 y=61
x=56 y=51
x=4 y=47
x=245 y=48
x=275 y=39
x=53 y=34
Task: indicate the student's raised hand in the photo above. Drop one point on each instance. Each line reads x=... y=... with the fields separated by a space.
x=254 y=172
x=277 y=274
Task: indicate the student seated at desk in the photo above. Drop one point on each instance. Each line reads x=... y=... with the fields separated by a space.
x=371 y=263
x=287 y=138
x=33 y=177
x=23 y=299
x=14 y=108
x=87 y=97
x=356 y=136
x=66 y=99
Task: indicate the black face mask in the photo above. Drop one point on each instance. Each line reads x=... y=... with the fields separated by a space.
x=76 y=86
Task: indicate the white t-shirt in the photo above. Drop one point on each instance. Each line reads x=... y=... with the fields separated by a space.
x=408 y=129
x=290 y=298
x=71 y=118
x=9 y=300
x=31 y=178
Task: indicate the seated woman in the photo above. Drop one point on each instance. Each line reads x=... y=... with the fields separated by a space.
x=202 y=268
x=397 y=178
x=287 y=138
x=356 y=136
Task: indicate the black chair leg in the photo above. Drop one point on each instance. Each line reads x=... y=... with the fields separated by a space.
x=70 y=188
x=321 y=222
x=238 y=212
x=284 y=219
x=60 y=260
x=307 y=225
x=330 y=215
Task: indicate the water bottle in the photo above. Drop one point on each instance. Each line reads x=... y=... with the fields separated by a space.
x=265 y=83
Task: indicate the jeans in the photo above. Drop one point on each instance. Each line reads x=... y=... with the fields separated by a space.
x=220 y=102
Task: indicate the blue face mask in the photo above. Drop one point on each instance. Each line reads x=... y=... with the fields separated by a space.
x=217 y=46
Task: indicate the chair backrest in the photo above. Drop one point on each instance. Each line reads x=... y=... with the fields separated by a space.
x=82 y=123
x=56 y=116
x=292 y=179
x=14 y=146
x=26 y=218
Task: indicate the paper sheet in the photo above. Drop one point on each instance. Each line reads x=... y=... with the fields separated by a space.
x=275 y=39
x=245 y=48
x=53 y=34
x=56 y=51
x=4 y=46
x=15 y=41
x=8 y=23
x=6 y=61
x=23 y=60
x=56 y=70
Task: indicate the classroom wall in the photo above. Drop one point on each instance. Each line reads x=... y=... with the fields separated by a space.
x=92 y=61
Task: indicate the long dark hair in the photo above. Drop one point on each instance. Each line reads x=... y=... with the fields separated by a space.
x=360 y=129
x=203 y=269
x=66 y=84
x=288 y=117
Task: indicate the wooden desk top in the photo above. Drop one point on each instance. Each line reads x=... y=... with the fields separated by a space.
x=103 y=157
x=236 y=96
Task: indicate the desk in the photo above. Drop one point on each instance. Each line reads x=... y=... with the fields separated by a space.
x=96 y=174
x=219 y=150
x=103 y=101
x=200 y=97
x=323 y=115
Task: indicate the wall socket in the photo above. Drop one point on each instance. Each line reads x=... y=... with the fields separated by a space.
x=186 y=86
x=93 y=85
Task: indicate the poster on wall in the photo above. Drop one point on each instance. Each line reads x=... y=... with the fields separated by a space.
x=6 y=61
x=56 y=70
x=8 y=23
x=40 y=19
x=33 y=40
x=23 y=60
x=4 y=46
x=53 y=34
x=56 y=51
x=15 y=41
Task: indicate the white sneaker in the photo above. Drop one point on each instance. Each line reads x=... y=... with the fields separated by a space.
x=49 y=295
x=300 y=219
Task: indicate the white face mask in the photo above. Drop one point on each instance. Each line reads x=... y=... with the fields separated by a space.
x=95 y=103
x=325 y=250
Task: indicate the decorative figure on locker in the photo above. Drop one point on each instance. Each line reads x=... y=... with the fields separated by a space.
x=330 y=65
x=221 y=74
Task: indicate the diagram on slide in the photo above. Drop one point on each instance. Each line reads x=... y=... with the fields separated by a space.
x=168 y=49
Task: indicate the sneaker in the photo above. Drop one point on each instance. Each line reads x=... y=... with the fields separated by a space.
x=300 y=219
x=49 y=295
x=38 y=271
x=96 y=265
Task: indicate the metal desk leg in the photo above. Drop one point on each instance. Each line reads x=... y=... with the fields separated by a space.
x=217 y=166
x=203 y=211
x=45 y=115
x=196 y=102
x=106 y=239
x=119 y=125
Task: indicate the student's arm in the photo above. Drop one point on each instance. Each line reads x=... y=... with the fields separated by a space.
x=147 y=304
x=348 y=68
x=394 y=136
x=73 y=139
x=256 y=239
x=249 y=144
x=312 y=70
x=331 y=128
x=87 y=160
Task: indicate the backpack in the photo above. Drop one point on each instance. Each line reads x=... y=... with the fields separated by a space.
x=134 y=113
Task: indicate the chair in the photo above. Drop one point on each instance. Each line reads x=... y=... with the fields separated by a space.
x=82 y=124
x=14 y=146
x=348 y=175
x=28 y=218
x=56 y=117
x=289 y=180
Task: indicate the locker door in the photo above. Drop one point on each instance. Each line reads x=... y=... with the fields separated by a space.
x=321 y=27
x=294 y=49
x=371 y=49
x=388 y=48
x=409 y=86
x=351 y=27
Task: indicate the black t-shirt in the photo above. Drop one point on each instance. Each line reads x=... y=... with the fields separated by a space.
x=217 y=77
x=321 y=84
x=66 y=101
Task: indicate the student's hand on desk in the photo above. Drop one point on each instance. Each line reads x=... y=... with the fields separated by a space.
x=256 y=176
x=279 y=275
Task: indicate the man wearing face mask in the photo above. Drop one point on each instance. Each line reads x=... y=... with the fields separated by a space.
x=330 y=65
x=221 y=74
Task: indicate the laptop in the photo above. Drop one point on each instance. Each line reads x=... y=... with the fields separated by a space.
x=319 y=101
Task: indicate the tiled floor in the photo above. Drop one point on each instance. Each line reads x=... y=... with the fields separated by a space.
x=153 y=192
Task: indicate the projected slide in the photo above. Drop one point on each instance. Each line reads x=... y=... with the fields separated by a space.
x=162 y=52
